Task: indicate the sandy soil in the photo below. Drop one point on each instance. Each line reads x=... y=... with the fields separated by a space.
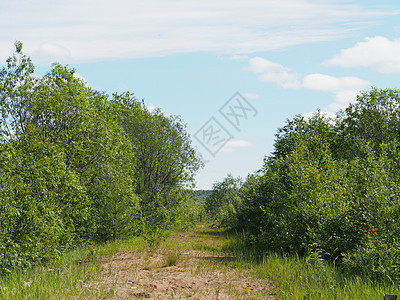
x=177 y=273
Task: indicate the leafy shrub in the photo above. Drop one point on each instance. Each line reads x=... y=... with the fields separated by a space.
x=315 y=198
x=375 y=258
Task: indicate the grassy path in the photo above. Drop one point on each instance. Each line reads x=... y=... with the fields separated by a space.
x=197 y=264
x=188 y=265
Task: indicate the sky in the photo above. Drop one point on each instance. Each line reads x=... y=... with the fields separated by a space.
x=235 y=71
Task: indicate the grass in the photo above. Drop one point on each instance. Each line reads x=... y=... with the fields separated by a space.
x=67 y=278
x=46 y=282
x=304 y=278
x=171 y=260
x=295 y=278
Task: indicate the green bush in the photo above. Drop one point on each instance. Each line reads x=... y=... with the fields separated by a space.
x=375 y=258
x=317 y=199
x=78 y=165
x=42 y=205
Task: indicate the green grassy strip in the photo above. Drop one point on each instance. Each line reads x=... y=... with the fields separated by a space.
x=307 y=278
x=76 y=275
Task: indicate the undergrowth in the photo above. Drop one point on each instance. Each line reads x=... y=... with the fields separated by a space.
x=291 y=276
x=309 y=277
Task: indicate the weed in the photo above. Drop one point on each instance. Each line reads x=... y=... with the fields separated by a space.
x=171 y=260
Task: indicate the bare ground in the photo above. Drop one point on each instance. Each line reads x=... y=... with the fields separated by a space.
x=188 y=266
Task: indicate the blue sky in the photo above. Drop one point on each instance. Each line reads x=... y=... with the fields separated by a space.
x=190 y=58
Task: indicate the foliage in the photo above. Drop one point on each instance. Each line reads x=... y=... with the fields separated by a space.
x=374 y=118
x=80 y=166
x=224 y=201
x=330 y=190
x=42 y=204
x=165 y=164
x=309 y=277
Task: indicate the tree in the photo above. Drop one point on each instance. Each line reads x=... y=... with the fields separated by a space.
x=165 y=161
x=224 y=201
x=78 y=165
x=331 y=189
x=16 y=87
x=58 y=117
x=299 y=128
x=44 y=209
x=374 y=119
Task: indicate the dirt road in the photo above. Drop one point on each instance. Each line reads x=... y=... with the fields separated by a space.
x=190 y=265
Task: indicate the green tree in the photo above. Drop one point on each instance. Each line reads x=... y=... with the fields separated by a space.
x=224 y=201
x=331 y=189
x=299 y=128
x=79 y=165
x=43 y=208
x=16 y=86
x=57 y=117
x=373 y=118
x=165 y=162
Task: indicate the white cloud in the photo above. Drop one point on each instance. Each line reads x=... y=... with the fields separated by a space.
x=49 y=53
x=238 y=57
x=153 y=109
x=251 y=96
x=83 y=79
x=84 y=30
x=378 y=53
x=231 y=145
x=345 y=88
x=272 y=72
x=322 y=82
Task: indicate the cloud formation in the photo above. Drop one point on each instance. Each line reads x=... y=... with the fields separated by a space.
x=378 y=53
x=272 y=72
x=249 y=95
x=232 y=145
x=82 y=30
x=345 y=89
x=51 y=52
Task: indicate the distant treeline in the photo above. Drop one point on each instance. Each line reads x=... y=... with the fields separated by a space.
x=201 y=195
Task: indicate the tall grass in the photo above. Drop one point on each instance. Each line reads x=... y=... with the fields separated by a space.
x=79 y=274
x=58 y=280
x=76 y=276
x=306 y=277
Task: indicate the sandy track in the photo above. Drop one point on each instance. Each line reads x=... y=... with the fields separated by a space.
x=175 y=272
